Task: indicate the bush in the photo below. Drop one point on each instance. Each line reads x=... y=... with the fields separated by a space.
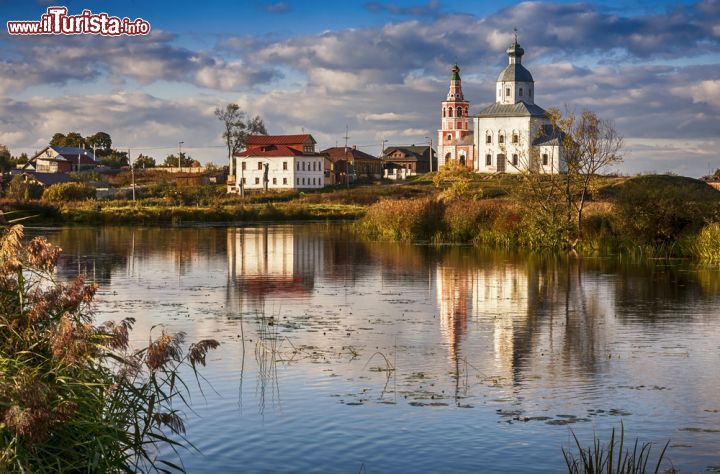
x=64 y=192
x=412 y=219
x=73 y=398
x=658 y=209
x=707 y=243
x=22 y=190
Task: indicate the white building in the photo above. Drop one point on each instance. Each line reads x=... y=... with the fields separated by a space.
x=285 y=161
x=514 y=134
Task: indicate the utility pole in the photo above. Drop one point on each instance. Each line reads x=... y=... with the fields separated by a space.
x=132 y=174
x=347 y=163
x=431 y=153
x=180 y=144
x=382 y=158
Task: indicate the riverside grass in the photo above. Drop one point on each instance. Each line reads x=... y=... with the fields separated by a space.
x=73 y=396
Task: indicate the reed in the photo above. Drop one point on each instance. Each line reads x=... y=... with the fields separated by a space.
x=613 y=457
x=73 y=396
x=707 y=244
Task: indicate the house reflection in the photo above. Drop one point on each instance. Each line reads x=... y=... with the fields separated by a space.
x=273 y=260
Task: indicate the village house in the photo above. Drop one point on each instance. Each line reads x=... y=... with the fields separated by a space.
x=401 y=162
x=57 y=159
x=359 y=163
x=279 y=162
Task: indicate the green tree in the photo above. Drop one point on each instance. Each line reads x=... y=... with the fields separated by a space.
x=21 y=189
x=236 y=128
x=63 y=192
x=5 y=159
x=102 y=143
x=115 y=159
x=72 y=139
x=144 y=161
x=171 y=161
x=19 y=160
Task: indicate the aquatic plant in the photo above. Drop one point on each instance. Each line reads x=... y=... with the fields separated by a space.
x=73 y=396
x=610 y=458
x=707 y=243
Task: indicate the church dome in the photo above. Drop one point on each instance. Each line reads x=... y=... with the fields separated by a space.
x=515 y=73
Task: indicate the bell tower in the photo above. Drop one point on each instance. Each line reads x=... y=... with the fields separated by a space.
x=455 y=122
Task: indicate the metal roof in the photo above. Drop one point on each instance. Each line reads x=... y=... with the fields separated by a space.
x=520 y=109
x=515 y=73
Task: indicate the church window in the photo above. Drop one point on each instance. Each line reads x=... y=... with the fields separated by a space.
x=459 y=112
x=488 y=159
x=514 y=159
x=545 y=159
x=462 y=160
x=449 y=136
x=507 y=92
x=448 y=157
x=285 y=165
x=501 y=138
x=515 y=138
x=260 y=165
x=257 y=180
x=284 y=180
x=274 y=181
x=450 y=112
x=488 y=139
x=520 y=94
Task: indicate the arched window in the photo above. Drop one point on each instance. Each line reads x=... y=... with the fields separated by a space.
x=450 y=112
x=515 y=138
x=449 y=136
x=507 y=92
x=488 y=138
x=459 y=112
x=462 y=160
x=488 y=159
x=501 y=138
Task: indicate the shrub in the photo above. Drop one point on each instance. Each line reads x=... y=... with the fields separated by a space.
x=73 y=397
x=658 y=209
x=707 y=243
x=411 y=219
x=22 y=190
x=64 y=192
x=464 y=220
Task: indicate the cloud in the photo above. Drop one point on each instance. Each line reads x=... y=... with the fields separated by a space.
x=431 y=7
x=279 y=7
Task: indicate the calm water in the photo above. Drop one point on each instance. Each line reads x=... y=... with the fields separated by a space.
x=497 y=357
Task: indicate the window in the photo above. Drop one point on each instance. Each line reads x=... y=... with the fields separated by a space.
x=443 y=112
x=298 y=180
x=501 y=138
x=449 y=136
x=284 y=180
x=488 y=139
x=515 y=138
x=303 y=181
x=459 y=112
x=309 y=148
x=488 y=160
x=450 y=112
x=244 y=167
x=284 y=165
x=520 y=94
x=514 y=159
x=507 y=92
x=314 y=166
x=260 y=165
x=303 y=167
x=297 y=166
x=257 y=180
x=244 y=180
x=545 y=159
x=274 y=181
x=459 y=125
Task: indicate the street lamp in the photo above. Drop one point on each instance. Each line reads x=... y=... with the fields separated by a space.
x=431 y=153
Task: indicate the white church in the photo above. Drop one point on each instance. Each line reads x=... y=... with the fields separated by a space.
x=510 y=136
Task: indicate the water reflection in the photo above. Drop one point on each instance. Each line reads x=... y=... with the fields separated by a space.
x=511 y=335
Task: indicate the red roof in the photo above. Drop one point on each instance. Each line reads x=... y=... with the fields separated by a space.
x=272 y=150
x=254 y=140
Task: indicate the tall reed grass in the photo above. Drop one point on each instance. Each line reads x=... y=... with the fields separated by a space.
x=73 y=396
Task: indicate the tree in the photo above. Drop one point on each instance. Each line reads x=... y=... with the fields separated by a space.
x=144 y=161
x=115 y=159
x=5 y=159
x=590 y=146
x=171 y=161
x=101 y=142
x=19 y=160
x=21 y=189
x=72 y=139
x=237 y=128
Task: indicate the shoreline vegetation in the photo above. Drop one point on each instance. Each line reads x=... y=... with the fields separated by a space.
x=645 y=216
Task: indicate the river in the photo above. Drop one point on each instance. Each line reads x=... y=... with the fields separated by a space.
x=340 y=355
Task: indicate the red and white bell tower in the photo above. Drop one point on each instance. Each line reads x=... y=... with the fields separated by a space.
x=455 y=139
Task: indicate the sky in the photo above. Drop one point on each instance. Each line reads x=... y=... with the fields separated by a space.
x=379 y=68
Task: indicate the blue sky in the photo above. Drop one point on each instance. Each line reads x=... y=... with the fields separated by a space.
x=380 y=67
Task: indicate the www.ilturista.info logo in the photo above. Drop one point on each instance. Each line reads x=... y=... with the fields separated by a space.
x=57 y=22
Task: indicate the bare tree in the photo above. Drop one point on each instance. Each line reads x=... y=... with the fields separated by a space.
x=237 y=127
x=590 y=146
